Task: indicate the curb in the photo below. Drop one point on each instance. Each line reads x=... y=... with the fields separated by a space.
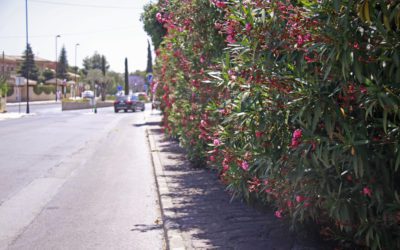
x=172 y=234
x=14 y=115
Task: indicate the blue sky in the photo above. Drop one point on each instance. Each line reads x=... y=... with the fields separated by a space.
x=111 y=28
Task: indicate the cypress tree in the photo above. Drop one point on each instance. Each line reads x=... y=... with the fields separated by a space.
x=126 y=77
x=149 y=68
x=62 y=64
x=29 y=59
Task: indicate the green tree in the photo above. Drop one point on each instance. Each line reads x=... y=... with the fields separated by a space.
x=149 y=68
x=152 y=26
x=126 y=77
x=47 y=74
x=62 y=64
x=3 y=85
x=28 y=65
x=115 y=80
x=139 y=73
x=95 y=62
x=103 y=65
x=94 y=77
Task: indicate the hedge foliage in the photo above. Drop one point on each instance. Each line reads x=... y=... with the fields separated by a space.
x=47 y=89
x=296 y=103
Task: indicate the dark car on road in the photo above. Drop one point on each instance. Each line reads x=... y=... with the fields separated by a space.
x=128 y=102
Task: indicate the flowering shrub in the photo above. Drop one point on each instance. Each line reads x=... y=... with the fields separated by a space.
x=296 y=103
x=187 y=50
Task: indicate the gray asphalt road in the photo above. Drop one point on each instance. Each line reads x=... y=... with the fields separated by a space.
x=77 y=180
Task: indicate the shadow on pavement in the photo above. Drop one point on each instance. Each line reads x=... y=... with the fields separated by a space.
x=205 y=214
x=145 y=228
x=146 y=124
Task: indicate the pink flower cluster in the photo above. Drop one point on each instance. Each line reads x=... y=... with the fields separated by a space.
x=301 y=39
x=219 y=4
x=367 y=191
x=160 y=18
x=244 y=165
x=279 y=214
x=296 y=139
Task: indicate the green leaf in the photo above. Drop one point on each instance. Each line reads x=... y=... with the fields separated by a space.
x=397 y=164
x=385 y=116
x=358 y=71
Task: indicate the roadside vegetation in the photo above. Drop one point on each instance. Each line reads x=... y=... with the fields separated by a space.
x=295 y=103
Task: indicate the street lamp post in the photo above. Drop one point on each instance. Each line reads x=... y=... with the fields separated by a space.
x=76 y=69
x=56 y=67
x=27 y=60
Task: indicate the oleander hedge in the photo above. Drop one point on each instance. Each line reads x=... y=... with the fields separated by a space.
x=296 y=103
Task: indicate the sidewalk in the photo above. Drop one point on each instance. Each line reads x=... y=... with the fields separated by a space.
x=197 y=211
x=32 y=103
x=15 y=115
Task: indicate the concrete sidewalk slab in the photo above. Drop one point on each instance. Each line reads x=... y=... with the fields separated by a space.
x=198 y=213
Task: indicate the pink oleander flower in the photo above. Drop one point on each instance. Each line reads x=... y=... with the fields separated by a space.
x=259 y=134
x=278 y=213
x=212 y=158
x=230 y=39
x=367 y=191
x=248 y=27
x=300 y=41
x=363 y=90
x=203 y=123
x=225 y=164
x=218 y=26
x=159 y=17
x=295 y=143
x=268 y=190
x=289 y=204
x=300 y=198
x=217 y=142
x=297 y=134
x=244 y=165
x=220 y=4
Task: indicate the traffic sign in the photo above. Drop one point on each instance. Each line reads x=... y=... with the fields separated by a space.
x=150 y=77
x=19 y=80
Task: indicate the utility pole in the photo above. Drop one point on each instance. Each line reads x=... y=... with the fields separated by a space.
x=56 y=68
x=76 y=71
x=27 y=65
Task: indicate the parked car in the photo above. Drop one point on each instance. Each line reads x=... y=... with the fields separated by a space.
x=87 y=94
x=128 y=102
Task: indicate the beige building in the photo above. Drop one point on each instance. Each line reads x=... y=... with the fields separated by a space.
x=10 y=64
